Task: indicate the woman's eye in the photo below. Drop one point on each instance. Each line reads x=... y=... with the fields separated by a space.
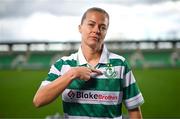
x=103 y=28
x=91 y=24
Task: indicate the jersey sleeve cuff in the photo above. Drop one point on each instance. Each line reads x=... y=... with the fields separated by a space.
x=134 y=102
x=44 y=83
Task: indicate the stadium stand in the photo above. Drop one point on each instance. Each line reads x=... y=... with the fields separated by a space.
x=6 y=60
x=158 y=58
x=138 y=58
x=18 y=61
x=40 y=60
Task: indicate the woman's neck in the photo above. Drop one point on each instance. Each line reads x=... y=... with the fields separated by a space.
x=92 y=55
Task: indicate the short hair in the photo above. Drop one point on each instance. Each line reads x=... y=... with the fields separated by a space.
x=95 y=9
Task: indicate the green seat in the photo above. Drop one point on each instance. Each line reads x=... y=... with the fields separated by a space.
x=158 y=58
x=39 y=59
x=6 y=60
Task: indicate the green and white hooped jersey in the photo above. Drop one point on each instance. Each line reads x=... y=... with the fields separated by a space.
x=102 y=96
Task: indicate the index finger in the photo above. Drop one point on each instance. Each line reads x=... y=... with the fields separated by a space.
x=96 y=71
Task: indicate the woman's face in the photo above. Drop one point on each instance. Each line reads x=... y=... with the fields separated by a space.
x=94 y=28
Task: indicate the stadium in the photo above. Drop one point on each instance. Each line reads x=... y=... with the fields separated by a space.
x=156 y=70
x=31 y=43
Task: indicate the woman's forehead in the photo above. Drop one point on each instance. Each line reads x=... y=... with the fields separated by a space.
x=95 y=16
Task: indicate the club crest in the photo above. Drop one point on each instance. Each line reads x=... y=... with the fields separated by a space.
x=110 y=72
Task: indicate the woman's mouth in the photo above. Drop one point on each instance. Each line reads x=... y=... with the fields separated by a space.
x=94 y=37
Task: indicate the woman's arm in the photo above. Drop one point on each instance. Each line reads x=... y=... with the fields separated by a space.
x=135 y=113
x=50 y=92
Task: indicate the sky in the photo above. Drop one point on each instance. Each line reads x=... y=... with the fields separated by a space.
x=58 y=20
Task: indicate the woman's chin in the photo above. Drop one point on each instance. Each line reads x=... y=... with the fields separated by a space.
x=94 y=45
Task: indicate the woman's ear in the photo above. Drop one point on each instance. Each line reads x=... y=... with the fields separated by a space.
x=79 y=27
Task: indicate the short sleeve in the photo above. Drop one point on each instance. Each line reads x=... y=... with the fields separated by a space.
x=53 y=73
x=131 y=94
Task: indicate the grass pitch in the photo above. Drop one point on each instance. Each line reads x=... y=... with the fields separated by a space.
x=160 y=88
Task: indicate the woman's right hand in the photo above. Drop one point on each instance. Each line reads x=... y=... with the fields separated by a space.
x=85 y=73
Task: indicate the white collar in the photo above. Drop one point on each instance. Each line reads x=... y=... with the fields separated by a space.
x=104 y=59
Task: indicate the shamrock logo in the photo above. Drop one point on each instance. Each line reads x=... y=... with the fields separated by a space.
x=110 y=71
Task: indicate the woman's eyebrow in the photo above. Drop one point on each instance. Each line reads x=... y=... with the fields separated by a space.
x=95 y=22
x=91 y=21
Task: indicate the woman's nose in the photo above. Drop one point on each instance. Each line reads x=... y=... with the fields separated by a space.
x=96 y=29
